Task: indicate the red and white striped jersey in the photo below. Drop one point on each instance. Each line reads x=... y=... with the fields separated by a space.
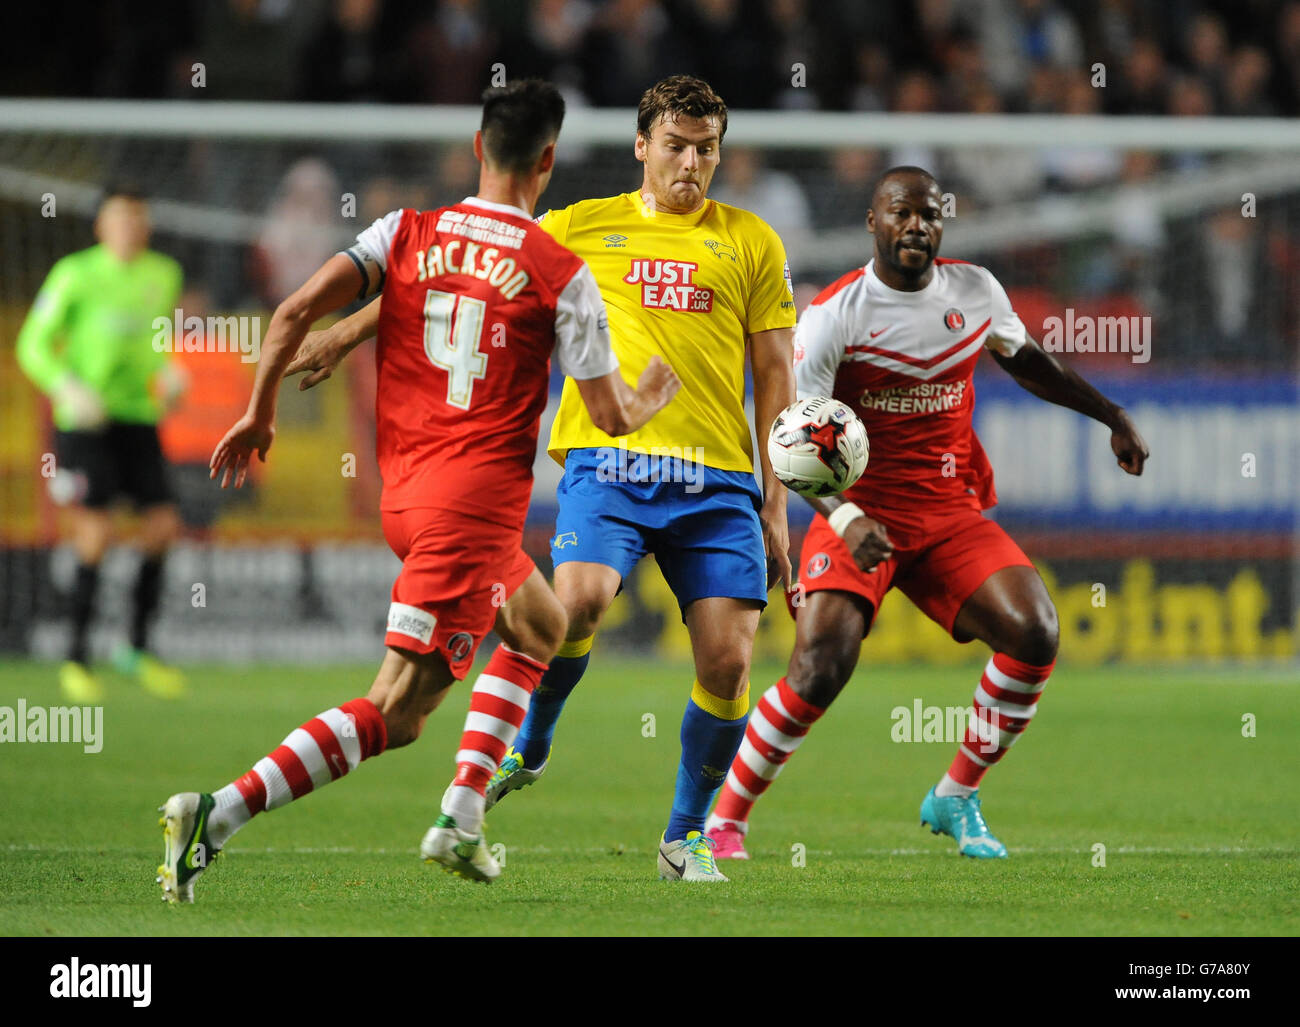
x=903 y=361
x=477 y=298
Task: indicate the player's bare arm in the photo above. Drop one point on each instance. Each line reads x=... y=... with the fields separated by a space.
x=771 y=359
x=330 y=288
x=1039 y=372
x=867 y=539
x=323 y=351
x=618 y=409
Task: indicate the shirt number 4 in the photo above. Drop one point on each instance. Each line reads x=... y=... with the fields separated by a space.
x=453 y=328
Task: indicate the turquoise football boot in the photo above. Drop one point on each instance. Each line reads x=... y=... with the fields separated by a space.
x=961 y=819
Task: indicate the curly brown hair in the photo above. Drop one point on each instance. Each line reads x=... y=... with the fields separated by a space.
x=680 y=95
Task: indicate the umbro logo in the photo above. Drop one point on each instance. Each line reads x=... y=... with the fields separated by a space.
x=615 y=242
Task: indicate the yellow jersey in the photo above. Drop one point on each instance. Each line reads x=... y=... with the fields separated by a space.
x=689 y=287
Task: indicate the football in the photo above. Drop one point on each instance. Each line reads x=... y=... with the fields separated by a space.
x=818 y=446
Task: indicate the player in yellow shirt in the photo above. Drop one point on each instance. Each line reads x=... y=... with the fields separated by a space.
x=696 y=282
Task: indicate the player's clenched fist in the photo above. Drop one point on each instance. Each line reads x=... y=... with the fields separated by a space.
x=658 y=382
x=1127 y=444
x=868 y=541
x=235 y=450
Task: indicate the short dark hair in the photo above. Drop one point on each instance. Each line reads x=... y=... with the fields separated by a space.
x=901 y=171
x=519 y=120
x=680 y=95
x=120 y=189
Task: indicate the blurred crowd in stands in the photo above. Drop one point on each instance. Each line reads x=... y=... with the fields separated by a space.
x=1227 y=57
x=1214 y=280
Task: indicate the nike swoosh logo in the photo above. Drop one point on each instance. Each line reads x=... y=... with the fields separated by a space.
x=189 y=849
x=679 y=867
x=881 y=332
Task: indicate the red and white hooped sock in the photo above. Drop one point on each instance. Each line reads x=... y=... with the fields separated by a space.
x=497 y=707
x=1006 y=699
x=776 y=728
x=322 y=750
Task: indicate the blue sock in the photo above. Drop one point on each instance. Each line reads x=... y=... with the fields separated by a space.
x=712 y=730
x=561 y=677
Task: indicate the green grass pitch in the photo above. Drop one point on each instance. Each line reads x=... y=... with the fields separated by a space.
x=1198 y=822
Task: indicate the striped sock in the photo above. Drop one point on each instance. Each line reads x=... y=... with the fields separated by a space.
x=712 y=729
x=559 y=681
x=776 y=729
x=322 y=750
x=1005 y=701
x=497 y=707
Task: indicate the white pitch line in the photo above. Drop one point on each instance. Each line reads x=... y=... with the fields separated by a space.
x=542 y=850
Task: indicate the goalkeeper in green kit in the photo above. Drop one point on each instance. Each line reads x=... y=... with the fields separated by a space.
x=87 y=344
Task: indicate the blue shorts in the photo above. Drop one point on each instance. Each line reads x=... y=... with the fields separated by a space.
x=700 y=523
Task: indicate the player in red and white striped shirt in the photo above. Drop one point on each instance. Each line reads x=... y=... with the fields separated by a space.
x=898 y=340
x=476 y=300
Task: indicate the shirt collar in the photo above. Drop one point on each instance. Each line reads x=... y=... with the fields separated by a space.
x=501 y=208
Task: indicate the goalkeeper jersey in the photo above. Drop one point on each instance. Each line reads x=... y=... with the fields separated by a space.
x=94 y=319
x=688 y=287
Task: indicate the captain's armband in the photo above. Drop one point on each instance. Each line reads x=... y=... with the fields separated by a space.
x=371 y=271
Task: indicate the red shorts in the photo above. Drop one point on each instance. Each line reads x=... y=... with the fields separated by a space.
x=939 y=560
x=457 y=572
